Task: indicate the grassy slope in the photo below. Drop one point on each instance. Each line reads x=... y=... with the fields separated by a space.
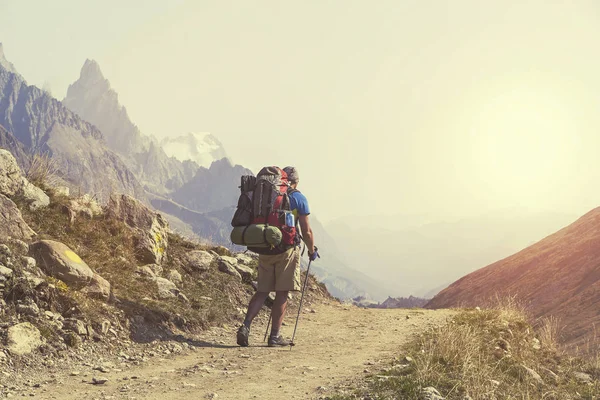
x=482 y=354
x=107 y=247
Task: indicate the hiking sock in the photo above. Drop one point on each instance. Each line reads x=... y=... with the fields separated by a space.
x=274 y=332
x=247 y=323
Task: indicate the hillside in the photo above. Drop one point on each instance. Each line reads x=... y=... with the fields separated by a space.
x=78 y=279
x=492 y=353
x=557 y=277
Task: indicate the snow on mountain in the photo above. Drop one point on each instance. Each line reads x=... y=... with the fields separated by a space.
x=203 y=148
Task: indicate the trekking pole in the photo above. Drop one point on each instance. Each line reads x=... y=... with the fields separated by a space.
x=267 y=331
x=271 y=314
x=300 y=307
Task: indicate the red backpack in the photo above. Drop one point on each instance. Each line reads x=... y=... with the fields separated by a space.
x=264 y=212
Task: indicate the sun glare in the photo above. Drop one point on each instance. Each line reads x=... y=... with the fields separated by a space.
x=522 y=139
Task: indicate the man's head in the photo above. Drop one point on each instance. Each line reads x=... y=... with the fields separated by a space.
x=293 y=176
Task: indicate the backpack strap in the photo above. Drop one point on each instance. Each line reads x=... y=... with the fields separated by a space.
x=297 y=223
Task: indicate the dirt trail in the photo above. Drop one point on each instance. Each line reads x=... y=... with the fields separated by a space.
x=334 y=343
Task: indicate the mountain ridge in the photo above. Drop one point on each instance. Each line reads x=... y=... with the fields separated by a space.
x=559 y=276
x=92 y=97
x=43 y=125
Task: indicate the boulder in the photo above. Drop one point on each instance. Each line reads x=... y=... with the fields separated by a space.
x=5 y=272
x=29 y=264
x=230 y=260
x=12 y=182
x=166 y=288
x=152 y=229
x=23 y=338
x=75 y=325
x=60 y=262
x=175 y=277
x=99 y=288
x=145 y=271
x=227 y=265
x=199 y=260
x=32 y=280
x=11 y=221
x=28 y=308
x=244 y=259
x=11 y=178
x=35 y=197
x=246 y=272
x=222 y=251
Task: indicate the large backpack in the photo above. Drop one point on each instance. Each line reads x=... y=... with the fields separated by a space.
x=263 y=220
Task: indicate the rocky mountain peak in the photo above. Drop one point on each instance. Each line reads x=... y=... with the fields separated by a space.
x=91 y=77
x=5 y=63
x=92 y=97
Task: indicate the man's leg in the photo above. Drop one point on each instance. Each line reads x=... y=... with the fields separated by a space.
x=266 y=284
x=287 y=266
x=278 y=312
x=254 y=307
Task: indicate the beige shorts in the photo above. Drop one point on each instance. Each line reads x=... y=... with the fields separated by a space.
x=280 y=272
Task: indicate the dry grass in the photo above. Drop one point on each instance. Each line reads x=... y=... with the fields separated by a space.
x=107 y=246
x=43 y=171
x=484 y=354
x=550 y=333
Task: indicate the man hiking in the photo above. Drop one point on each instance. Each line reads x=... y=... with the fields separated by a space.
x=280 y=273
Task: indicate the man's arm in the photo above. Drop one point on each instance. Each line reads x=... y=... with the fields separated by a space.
x=307 y=233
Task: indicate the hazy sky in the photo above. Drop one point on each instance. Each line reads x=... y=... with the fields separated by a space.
x=443 y=107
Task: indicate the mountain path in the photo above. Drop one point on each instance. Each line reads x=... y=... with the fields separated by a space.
x=335 y=343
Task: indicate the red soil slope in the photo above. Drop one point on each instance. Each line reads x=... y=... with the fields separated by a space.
x=558 y=276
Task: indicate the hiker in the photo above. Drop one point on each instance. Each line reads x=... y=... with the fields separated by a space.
x=280 y=273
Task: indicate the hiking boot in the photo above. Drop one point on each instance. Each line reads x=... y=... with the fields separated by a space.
x=242 y=336
x=278 y=341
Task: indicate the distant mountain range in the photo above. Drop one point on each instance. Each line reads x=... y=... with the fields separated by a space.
x=558 y=276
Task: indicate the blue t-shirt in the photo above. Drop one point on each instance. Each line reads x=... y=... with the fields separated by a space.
x=299 y=204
